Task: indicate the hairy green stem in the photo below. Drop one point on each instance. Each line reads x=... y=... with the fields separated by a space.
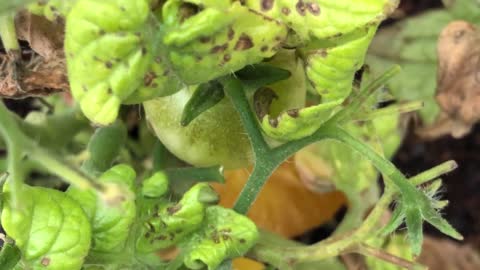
x=364 y=94
x=14 y=140
x=18 y=146
x=271 y=252
x=8 y=33
x=55 y=166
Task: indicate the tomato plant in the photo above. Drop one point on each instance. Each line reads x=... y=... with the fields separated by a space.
x=223 y=84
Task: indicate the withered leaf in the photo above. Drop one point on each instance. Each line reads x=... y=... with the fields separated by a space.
x=458 y=91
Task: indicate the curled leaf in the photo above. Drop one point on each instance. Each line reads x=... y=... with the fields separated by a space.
x=51 y=229
x=169 y=223
x=217 y=37
x=110 y=223
x=113 y=57
x=225 y=235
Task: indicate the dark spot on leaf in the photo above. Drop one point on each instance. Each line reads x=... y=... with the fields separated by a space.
x=45 y=261
x=231 y=33
x=264 y=48
x=227 y=57
x=286 y=11
x=174 y=209
x=242 y=241
x=293 y=113
x=314 y=8
x=244 y=43
x=273 y=122
x=102 y=32
x=262 y=99
x=149 y=78
x=144 y=51
x=267 y=5
x=323 y=53
x=219 y=48
x=204 y=39
x=301 y=7
x=108 y=64
x=161 y=237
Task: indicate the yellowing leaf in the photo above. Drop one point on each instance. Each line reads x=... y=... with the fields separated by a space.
x=285 y=206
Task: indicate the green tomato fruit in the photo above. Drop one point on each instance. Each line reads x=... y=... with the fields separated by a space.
x=216 y=137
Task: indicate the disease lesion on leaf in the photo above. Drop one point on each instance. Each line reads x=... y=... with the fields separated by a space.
x=458 y=81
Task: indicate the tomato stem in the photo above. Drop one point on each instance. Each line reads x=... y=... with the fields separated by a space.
x=14 y=140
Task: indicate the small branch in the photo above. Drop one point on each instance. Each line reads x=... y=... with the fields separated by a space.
x=362 y=97
x=254 y=185
x=387 y=257
x=68 y=174
x=14 y=140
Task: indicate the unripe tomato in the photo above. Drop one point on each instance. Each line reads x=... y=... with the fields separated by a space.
x=217 y=137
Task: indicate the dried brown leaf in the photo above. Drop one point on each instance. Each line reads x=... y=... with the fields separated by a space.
x=458 y=91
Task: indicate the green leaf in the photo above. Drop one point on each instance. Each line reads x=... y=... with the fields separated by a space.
x=219 y=38
x=51 y=229
x=205 y=96
x=168 y=223
x=225 y=234
x=104 y=147
x=412 y=43
x=258 y=75
x=51 y=9
x=110 y=223
x=9 y=256
x=9 y=5
x=155 y=186
x=113 y=57
x=464 y=9
x=324 y=19
x=330 y=66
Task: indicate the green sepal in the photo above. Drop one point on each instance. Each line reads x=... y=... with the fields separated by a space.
x=104 y=147
x=261 y=74
x=205 y=96
x=9 y=255
x=225 y=234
